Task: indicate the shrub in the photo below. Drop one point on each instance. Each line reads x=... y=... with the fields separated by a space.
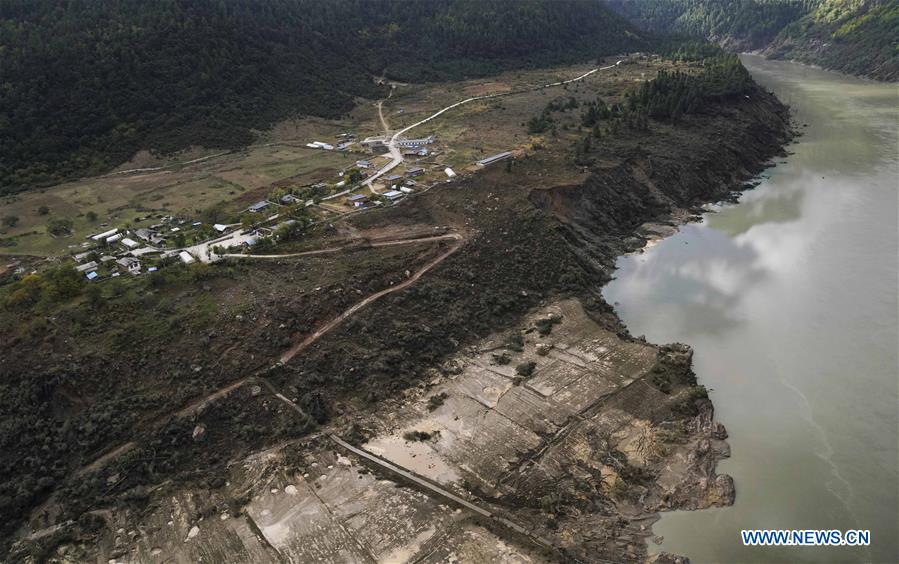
x=59 y=226
x=545 y=324
x=412 y=436
x=502 y=358
x=25 y=292
x=437 y=400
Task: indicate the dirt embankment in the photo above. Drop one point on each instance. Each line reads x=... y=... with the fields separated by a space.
x=641 y=193
x=664 y=179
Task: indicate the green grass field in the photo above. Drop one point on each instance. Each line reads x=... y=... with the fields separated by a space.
x=465 y=134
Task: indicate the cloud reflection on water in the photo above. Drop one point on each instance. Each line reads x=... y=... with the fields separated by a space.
x=710 y=276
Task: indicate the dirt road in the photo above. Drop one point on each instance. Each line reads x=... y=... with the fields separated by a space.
x=397 y=156
x=292 y=352
x=381 y=115
x=363 y=245
x=201 y=402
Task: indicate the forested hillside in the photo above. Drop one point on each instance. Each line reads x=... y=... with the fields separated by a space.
x=740 y=24
x=860 y=37
x=84 y=84
x=855 y=36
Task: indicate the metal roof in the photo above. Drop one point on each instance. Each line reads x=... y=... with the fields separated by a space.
x=494 y=158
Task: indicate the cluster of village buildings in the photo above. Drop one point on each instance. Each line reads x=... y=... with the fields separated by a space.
x=118 y=251
x=123 y=251
x=378 y=145
x=399 y=184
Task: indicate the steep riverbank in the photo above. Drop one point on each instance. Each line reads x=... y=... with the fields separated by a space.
x=793 y=317
x=646 y=191
x=628 y=202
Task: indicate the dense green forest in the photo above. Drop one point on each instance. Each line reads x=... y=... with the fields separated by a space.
x=84 y=84
x=672 y=94
x=860 y=37
x=856 y=36
x=742 y=24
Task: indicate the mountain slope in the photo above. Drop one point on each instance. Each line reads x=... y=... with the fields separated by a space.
x=858 y=37
x=855 y=36
x=85 y=84
x=739 y=24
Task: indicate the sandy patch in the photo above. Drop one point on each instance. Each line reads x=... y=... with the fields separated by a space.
x=487 y=88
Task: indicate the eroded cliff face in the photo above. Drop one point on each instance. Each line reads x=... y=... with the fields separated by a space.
x=663 y=178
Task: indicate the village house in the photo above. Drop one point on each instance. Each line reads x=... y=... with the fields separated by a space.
x=92 y=265
x=405 y=143
x=130 y=265
x=371 y=141
x=377 y=145
x=104 y=235
x=494 y=158
x=150 y=236
x=320 y=145
x=258 y=206
x=357 y=200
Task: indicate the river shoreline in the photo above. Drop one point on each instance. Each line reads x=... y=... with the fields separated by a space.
x=733 y=285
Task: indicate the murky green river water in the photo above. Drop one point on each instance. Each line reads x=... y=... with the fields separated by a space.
x=789 y=299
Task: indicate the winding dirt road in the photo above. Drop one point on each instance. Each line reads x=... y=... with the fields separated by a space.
x=397 y=158
x=397 y=155
x=350 y=246
x=203 y=401
x=292 y=352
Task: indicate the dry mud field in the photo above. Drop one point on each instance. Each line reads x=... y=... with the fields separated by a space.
x=517 y=446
